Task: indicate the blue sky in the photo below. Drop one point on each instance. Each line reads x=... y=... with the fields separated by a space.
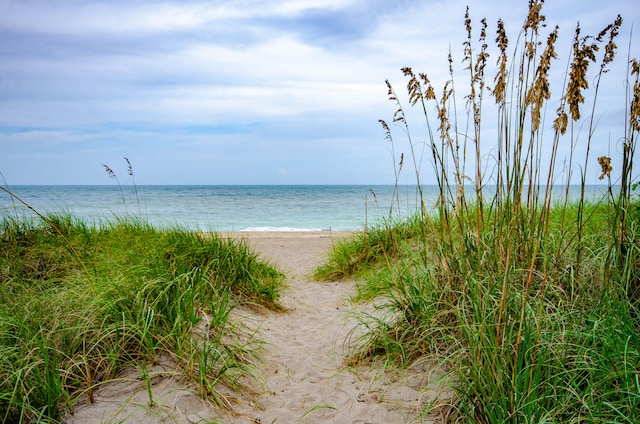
x=243 y=92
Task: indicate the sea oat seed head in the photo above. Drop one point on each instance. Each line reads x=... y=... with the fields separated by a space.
x=605 y=164
x=443 y=116
x=583 y=53
x=634 y=113
x=610 y=48
x=429 y=93
x=386 y=129
x=561 y=121
x=540 y=91
x=129 y=167
x=413 y=86
x=109 y=171
x=534 y=18
x=500 y=79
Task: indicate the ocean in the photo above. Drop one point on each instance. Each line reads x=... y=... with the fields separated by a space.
x=219 y=208
x=229 y=207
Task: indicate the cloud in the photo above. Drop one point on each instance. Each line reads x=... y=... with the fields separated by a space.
x=238 y=81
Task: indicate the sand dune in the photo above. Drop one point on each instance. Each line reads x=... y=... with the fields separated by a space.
x=305 y=378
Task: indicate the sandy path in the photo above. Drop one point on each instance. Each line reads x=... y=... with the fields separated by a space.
x=305 y=378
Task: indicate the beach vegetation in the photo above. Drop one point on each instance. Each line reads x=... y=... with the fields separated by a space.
x=79 y=303
x=530 y=300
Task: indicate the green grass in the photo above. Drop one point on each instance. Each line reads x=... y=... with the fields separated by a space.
x=571 y=354
x=533 y=304
x=78 y=303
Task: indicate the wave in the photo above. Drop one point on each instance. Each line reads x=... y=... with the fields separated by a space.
x=279 y=229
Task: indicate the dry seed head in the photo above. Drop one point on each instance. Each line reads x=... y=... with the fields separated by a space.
x=533 y=23
x=610 y=48
x=481 y=60
x=605 y=165
x=109 y=171
x=384 y=125
x=500 y=79
x=390 y=91
x=634 y=113
x=445 y=125
x=467 y=23
x=398 y=116
x=467 y=44
x=129 y=167
x=534 y=18
x=502 y=40
x=429 y=93
x=539 y=91
x=386 y=129
x=413 y=86
x=407 y=71
x=583 y=53
x=561 y=121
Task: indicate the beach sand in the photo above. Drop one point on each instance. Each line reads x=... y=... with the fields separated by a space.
x=304 y=376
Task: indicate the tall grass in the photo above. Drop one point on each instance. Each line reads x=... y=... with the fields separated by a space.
x=533 y=303
x=78 y=303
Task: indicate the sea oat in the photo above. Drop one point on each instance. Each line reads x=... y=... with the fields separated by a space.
x=561 y=121
x=467 y=43
x=386 y=129
x=605 y=164
x=129 y=167
x=113 y=175
x=500 y=79
x=533 y=23
x=443 y=115
x=109 y=171
x=634 y=113
x=583 y=53
x=610 y=48
x=429 y=93
x=534 y=18
x=540 y=91
x=481 y=59
x=413 y=86
x=398 y=116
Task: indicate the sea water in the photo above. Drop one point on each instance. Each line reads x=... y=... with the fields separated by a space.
x=231 y=208
x=220 y=208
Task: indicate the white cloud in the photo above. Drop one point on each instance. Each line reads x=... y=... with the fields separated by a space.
x=121 y=18
x=289 y=70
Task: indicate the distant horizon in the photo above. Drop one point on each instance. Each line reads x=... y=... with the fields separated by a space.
x=470 y=185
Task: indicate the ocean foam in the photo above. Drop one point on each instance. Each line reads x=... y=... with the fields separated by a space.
x=279 y=229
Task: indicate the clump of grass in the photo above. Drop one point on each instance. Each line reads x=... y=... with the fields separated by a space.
x=78 y=303
x=351 y=255
x=530 y=299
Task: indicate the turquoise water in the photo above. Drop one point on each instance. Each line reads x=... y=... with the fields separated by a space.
x=229 y=208
x=220 y=208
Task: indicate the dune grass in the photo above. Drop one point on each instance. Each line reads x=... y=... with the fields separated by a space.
x=79 y=302
x=531 y=301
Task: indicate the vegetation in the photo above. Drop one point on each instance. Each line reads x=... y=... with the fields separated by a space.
x=78 y=303
x=531 y=302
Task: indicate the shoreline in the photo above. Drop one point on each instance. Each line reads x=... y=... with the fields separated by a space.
x=282 y=234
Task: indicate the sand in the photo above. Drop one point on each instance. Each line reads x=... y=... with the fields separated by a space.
x=305 y=378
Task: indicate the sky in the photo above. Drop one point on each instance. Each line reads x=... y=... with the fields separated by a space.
x=248 y=91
